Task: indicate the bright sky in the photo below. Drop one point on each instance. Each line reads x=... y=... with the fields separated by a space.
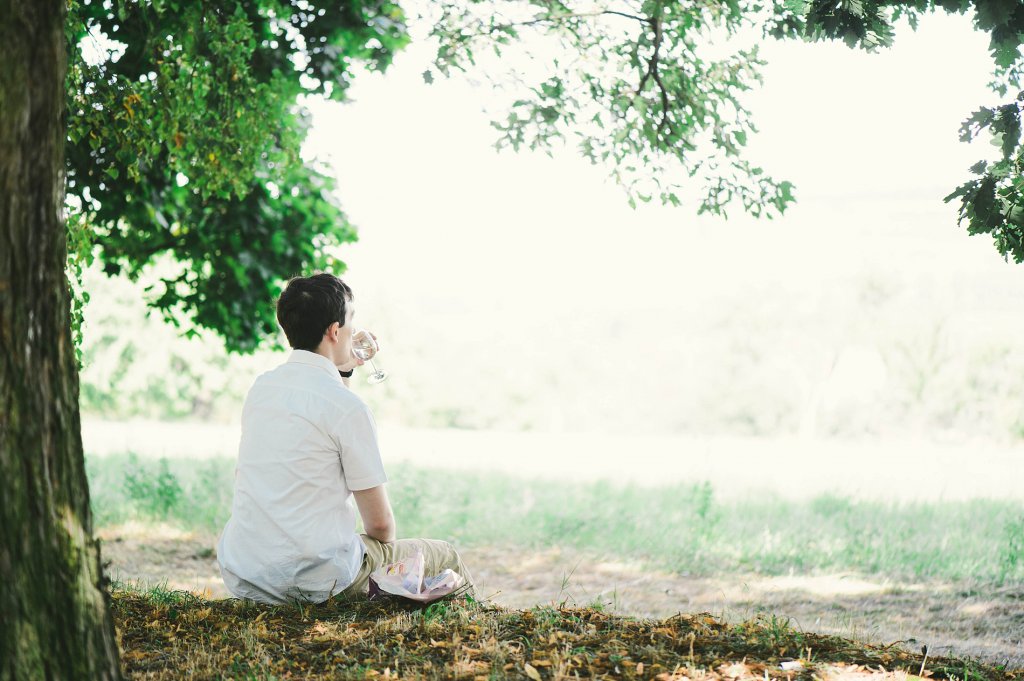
x=870 y=142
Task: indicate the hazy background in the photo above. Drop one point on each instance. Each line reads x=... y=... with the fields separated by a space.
x=861 y=342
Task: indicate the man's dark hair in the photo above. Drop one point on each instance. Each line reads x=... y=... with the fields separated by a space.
x=308 y=305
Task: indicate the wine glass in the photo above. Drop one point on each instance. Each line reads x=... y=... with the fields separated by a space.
x=365 y=347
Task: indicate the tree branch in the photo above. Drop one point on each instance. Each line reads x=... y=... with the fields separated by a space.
x=555 y=18
x=574 y=15
x=652 y=69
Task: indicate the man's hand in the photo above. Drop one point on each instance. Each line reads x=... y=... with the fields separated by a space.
x=354 y=361
x=375 y=510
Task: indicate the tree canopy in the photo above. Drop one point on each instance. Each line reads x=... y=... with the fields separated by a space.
x=188 y=142
x=185 y=141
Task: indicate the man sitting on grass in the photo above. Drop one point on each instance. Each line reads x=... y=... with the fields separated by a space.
x=309 y=445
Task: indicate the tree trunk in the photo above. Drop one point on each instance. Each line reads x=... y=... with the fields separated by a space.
x=54 y=614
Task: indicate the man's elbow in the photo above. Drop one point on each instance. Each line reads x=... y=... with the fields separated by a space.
x=382 y=529
x=375 y=510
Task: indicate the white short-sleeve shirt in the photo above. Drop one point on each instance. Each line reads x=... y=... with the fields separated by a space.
x=307 y=443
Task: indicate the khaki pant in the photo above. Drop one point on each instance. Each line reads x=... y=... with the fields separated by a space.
x=437 y=555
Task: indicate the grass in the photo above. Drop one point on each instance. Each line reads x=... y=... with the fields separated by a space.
x=681 y=528
x=188 y=493
x=171 y=635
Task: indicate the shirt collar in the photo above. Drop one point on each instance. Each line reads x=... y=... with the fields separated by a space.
x=315 y=360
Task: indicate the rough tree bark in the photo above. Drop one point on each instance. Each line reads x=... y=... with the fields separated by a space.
x=54 y=609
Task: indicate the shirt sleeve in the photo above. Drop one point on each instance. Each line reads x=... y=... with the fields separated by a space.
x=361 y=463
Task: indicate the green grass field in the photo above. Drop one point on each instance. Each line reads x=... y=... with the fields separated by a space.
x=683 y=528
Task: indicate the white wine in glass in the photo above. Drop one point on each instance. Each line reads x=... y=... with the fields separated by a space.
x=365 y=347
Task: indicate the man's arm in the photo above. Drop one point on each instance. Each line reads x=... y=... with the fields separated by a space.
x=375 y=510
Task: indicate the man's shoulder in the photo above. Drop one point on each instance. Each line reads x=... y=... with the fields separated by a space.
x=289 y=378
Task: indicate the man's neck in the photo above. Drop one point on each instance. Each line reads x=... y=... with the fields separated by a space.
x=323 y=352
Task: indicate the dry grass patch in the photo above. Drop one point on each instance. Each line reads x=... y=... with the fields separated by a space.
x=175 y=634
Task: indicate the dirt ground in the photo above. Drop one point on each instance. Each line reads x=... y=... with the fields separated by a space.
x=951 y=619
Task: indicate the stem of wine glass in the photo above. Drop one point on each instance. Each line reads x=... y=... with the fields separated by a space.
x=374 y=367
